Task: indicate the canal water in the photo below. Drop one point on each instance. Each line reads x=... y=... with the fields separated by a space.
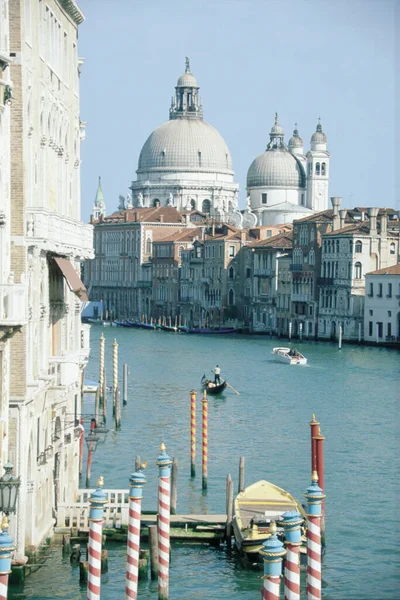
x=354 y=393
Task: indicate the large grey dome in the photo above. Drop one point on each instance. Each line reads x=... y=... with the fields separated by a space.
x=276 y=168
x=185 y=145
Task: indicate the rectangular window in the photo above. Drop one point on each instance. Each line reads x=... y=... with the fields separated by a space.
x=389 y=329
x=380 y=329
x=380 y=285
x=370 y=326
x=371 y=312
x=264 y=198
x=231 y=251
x=269 y=233
x=248 y=273
x=371 y=290
x=389 y=313
x=389 y=294
x=213 y=251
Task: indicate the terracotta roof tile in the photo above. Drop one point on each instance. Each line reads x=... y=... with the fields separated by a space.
x=393 y=270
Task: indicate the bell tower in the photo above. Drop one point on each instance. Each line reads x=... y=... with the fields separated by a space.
x=318 y=171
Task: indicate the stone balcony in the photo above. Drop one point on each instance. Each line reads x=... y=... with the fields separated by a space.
x=13 y=310
x=56 y=233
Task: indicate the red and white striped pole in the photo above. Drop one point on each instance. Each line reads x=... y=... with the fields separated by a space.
x=6 y=550
x=314 y=432
x=314 y=497
x=97 y=501
x=164 y=463
x=137 y=482
x=272 y=553
x=193 y=433
x=292 y=522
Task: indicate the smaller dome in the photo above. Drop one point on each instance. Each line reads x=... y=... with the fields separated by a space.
x=295 y=141
x=187 y=80
x=276 y=169
x=319 y=137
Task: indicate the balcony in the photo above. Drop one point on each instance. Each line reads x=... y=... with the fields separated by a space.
x=13 y=309
x=302 y=298
x=65 y=370
x=296 y=268
x=325 y=281
x=142 y=283
x=59 y=234
x=264 y=272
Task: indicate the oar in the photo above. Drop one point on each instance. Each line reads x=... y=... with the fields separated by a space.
x=232 y=388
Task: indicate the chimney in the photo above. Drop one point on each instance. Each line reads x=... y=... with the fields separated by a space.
x=243 y=235
x=184 y=220
x=384 y=223
x=161 y=218
x=91 y=218
x=336 y=205
x=342 y=214
x=372 y=213
x=213 y=230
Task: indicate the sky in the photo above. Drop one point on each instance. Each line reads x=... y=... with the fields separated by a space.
x=305 y=59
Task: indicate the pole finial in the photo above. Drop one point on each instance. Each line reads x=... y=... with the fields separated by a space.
x=4 y=523
x=100 y=481
x=143 y=465
x=314 y=477
x=102 y=336
x=313 y=417
x=162 y=447
x=272 y=528
x=276 y=119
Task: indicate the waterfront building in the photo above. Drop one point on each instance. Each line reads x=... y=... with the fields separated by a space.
x=185 y=162
x=382 y=313
x=48 y=242
x=12 y=298
x=347 y=254
x=283 y=183
x=121 y=273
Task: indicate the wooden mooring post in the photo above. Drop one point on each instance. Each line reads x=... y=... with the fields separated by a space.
x=193 y=433
x=229 y=510
x=205 y=441
x=241 y=474
x=115 y=371
x=153 y=545
x=117 y=408
x=174 y=485
x=125 y=373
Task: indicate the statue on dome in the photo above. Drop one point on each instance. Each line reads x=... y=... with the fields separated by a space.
x=129 y=203
x=170 y=200
x=140 y=200
x=121 y=205
x=248 y=206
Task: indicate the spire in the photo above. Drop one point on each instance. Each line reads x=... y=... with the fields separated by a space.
x=186 y=103
x=99 y=207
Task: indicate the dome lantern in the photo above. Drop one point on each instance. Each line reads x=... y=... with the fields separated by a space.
x=295 y=142
x=186 y=103
x=276 y=135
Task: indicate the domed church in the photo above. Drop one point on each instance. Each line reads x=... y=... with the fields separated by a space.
x=283 y=183
x=185 y=162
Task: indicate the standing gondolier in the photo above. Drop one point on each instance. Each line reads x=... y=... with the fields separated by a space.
x=217 y=373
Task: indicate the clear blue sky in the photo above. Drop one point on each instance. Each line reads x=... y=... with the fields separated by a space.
x=302 y=58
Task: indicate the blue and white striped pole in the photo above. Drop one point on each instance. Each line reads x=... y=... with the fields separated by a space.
x=6 y=550
x=273 y=552
x=314 y=497
x=136 y=482
x=292 y=522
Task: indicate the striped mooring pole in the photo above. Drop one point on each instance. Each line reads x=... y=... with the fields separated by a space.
x=314 y=432
x=272 y=552
x=6 y=550
x=136 y=482
x=314 y=497
x=205 y=441
x=101 y=375
x=292 y=522
x=115 y=372
x=97 y=501
x=193 y=433
x=164 y=463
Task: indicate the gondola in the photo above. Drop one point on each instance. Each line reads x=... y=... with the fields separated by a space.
x=211 y=387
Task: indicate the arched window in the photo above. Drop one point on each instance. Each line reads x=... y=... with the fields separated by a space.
x=231 y=297
x=323 y=169
x=180 y=250
x=193 y=204
x=358 y=270
x=392 y=248
x=148 y=245
x=358 y=247
x=231 y=273
x=156 y=202
x=318 y=169
x=309 y=168
x=206 y=206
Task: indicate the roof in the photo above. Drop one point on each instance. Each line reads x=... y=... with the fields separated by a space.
x=188 y=235
x=393 y=270
x=361 y=228
x=162 y=214
x=323 y=216
x=282 y=240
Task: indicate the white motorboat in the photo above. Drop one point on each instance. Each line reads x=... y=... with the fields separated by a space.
x=290 y=356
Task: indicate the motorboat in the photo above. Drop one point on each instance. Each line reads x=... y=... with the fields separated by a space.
x=253 y=510
x=290 y=356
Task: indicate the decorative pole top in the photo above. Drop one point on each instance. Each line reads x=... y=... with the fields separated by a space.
x=115 y=343
x=272 y=528
x=102 y=336
x=187 y=64
x=162 y=447
x=100 y=481
x=314 y=477
x=5 y=523
x=313 y=420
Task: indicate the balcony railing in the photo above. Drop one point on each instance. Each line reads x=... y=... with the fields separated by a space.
x=302 y=297
x=141 y=283
x=13 y=309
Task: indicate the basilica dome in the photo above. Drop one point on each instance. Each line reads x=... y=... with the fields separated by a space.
x=276 y=168
x=185 y=144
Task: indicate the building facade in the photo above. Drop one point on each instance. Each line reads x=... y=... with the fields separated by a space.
x=382 y=312
x=48 y=242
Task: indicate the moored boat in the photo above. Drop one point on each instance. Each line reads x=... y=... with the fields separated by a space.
x=289 y=356
x=253 y=510
x=213 y=388
x=206 y=330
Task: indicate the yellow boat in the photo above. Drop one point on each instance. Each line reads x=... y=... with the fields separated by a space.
x=253 y=510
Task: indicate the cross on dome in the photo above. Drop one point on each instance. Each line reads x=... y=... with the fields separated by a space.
x=187 y=63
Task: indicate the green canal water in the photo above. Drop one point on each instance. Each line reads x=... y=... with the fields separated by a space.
x=354 y=394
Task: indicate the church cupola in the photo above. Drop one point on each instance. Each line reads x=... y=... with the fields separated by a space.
x=296 y=145
x=99 y=206
x=276 y=136
x=186 y=103
x=318 y=139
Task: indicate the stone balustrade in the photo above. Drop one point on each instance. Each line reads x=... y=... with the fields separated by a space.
x=76 y=514
x=13 y=310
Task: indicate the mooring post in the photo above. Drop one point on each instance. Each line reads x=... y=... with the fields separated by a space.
x=290 y=331
x=153 y=545
x=272 y=552
x=97 y=501
x=81 y=445
x=137 y=463
x=105 y=396
x=340 y=337
x=125 y=385
x=115 y=371
x=314 y=432
x=117 y=406
x=301 y=332
x=101 y=374
x=6 y=550
x=319 y=441
x=241 y=475
x=164 y=463
x=292 y=522
x=136 y=482
x=92 y=441
x=97 y=404
x=229 y=510
x=205 y=441
x=359 y=333
x=314 y=497
x=174 y=485
x=193 y=433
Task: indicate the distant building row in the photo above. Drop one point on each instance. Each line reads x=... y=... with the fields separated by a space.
x=310 y=276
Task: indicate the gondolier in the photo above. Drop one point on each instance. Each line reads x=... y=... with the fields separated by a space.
x=217 y=373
